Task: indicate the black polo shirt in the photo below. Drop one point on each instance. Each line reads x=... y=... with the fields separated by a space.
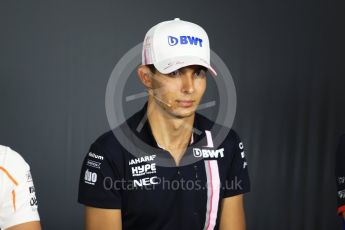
x=151 y=191
x=340 y=174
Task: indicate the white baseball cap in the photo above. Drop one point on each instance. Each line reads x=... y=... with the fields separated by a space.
x=174 y=44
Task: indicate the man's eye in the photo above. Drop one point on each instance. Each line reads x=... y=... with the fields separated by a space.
x=175 y=73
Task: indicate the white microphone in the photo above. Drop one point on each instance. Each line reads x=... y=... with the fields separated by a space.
x=160 y=100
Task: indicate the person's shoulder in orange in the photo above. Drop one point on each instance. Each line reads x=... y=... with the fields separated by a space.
x=18 y=206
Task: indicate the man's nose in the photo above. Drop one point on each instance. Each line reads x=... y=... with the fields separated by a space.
x=187 y=83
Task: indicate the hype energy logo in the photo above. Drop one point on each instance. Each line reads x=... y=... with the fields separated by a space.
x=184 y=40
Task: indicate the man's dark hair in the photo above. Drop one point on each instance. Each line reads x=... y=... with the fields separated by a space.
x=153 y=68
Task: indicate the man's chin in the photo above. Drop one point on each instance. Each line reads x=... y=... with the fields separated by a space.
x=183 y=114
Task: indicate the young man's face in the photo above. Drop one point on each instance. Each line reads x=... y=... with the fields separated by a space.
x=179 y=93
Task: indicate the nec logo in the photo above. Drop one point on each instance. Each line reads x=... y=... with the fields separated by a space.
x=208 y=153
x=184 y=40
x=145 y=181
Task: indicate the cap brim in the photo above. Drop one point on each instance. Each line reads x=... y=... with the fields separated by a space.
x=172 y=65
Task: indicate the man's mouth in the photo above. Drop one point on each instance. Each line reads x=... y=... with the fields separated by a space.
x=185 y=103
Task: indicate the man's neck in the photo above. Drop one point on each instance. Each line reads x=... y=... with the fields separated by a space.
x=170 y=133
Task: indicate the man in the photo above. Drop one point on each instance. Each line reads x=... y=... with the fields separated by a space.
x=122 y=190
x=18 y=204
x=340 y=175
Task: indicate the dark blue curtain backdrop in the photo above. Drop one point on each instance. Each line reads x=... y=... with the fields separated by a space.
x=286 y=59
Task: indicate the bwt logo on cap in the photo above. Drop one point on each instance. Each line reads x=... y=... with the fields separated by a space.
x=184 y=40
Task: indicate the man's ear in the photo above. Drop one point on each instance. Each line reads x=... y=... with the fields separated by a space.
x=145 y=76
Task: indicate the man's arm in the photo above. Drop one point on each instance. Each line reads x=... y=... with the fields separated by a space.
x=33 y=225
x=98 y=191
x=105 y=219
x=232 y=213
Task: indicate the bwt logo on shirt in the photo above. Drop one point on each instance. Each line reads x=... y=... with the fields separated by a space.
x=208 y=153
x=184 y=40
